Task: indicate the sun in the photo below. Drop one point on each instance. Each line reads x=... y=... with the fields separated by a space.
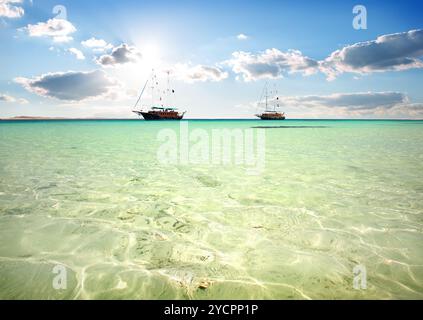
x=134 y=75
x=151 y=55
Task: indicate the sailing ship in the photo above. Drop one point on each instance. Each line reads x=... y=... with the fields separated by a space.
x=158 y=111
x=270 y=112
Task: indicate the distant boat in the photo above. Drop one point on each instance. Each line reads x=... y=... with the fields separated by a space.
x=270 y=112
x=158 y=112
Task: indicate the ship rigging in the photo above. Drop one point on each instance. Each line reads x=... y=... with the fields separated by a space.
x=161 y=111
x=270 y=111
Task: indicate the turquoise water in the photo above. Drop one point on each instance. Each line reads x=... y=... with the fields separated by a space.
x=93 y=196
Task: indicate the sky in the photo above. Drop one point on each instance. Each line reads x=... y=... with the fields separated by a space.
x=323 y=59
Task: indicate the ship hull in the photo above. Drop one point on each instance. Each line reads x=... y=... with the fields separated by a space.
x=266 y=118
x=155 y=116
x=271 y=116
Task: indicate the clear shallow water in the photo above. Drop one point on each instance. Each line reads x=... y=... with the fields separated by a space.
x=92 y=196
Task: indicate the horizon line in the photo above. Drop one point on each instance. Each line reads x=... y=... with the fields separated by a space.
x=41 y=118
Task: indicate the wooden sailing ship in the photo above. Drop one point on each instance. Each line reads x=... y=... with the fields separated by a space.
x=270 y=111
x=158 y=111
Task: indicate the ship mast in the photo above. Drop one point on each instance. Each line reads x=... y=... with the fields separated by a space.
x=273 y=95
x=167 y=90
x=276 y=98
x=266 y=94
x=152 y=90
x=153 y=83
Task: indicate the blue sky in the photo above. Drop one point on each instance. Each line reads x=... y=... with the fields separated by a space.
x=219 y=53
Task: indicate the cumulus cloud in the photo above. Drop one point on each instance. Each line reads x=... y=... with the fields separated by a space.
x=372 y=104
x=97 y=45
x=78 y=54
x=71 y=85
x=198 y=73
x=10 y=9
x=57 y=29
x=398 y=51
x=391 y=52
x=351 y=101
x=414 y=110
x=242 y=36
x=7 y=98
x=271 y=63
x=120 y=55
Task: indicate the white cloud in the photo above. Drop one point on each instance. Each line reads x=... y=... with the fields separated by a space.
x=198 y=73
x=408 y=110
x=78 y=54
x=242 y=36
x=271 y=63
x=392 y=52
x=352 y=101
x=120 y=55
x=96 y=44
x=58 y=29
x=71 y=85
x=371 y=104
x=8 y=98
x=9 y=9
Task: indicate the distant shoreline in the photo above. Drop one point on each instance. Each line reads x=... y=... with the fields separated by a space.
x=33 y=118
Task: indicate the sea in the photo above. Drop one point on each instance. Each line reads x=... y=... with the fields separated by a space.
x=211 y=209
